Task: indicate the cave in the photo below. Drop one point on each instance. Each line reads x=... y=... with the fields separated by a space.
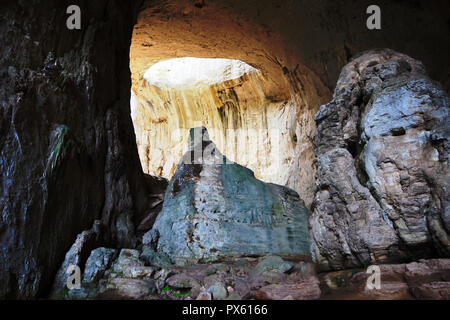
x=253 y=117
x=337 y=137
x=227 y=97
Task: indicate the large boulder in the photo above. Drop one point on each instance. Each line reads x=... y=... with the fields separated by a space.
x=382 y=156
x=215 y=208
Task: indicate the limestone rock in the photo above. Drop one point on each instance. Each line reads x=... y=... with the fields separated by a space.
x=304 y=289
x=204 y=295
x=98 y=262
x=68 y=154
x=56 y=82
x=214 y=208
x=76 y=256
x=294 y=79
x=218 y=291
x=127 y=258
x=182 y=281
x=151 y=239
x=138 y=272
x=382 y=155
x=423 y=279
x=273 y=263
x=155 y=258
x=163 y=274
x=124 y=288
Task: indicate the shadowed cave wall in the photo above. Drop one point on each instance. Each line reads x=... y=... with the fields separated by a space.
x=68 y=150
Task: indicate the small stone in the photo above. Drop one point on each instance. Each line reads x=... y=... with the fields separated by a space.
x=210 y=271
x=307 y=268
x=274 y=263
x=138 y=272
x=218 y=291
x=241 y=262
x=306 y=289
x=204 y=295
x=128 y=257
x=163 y=274
x=124 y=288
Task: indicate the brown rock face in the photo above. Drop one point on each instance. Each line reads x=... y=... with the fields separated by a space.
x=382 y=156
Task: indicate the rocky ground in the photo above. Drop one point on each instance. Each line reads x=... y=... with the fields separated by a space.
x=128 y=275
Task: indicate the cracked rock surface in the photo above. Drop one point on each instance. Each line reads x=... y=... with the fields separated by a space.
x=382 y=157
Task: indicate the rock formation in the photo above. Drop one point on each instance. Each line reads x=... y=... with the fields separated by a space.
x=383 y=175
x=256 y=130
x=215 y=209
x=298 y=48
x=68 y=154
x=422 y=280
x=67 y=151
x=267 y=278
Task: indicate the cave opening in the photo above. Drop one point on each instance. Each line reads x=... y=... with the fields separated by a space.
x=223 y=95
x=257 y=106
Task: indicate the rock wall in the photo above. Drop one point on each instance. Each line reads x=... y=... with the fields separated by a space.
x=67 y=150
x=383 y=174
x=299 y=47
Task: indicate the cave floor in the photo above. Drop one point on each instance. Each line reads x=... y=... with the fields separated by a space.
x=266 y=278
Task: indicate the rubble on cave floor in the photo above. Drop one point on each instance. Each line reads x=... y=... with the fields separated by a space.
x=129 y=277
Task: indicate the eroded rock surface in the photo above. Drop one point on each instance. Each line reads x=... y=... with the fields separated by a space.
x=268 y=136
x=232 y=279
x=67 y=149
x=382 y=156
x=423 y=279
x=214 y=208
x=243 y=278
